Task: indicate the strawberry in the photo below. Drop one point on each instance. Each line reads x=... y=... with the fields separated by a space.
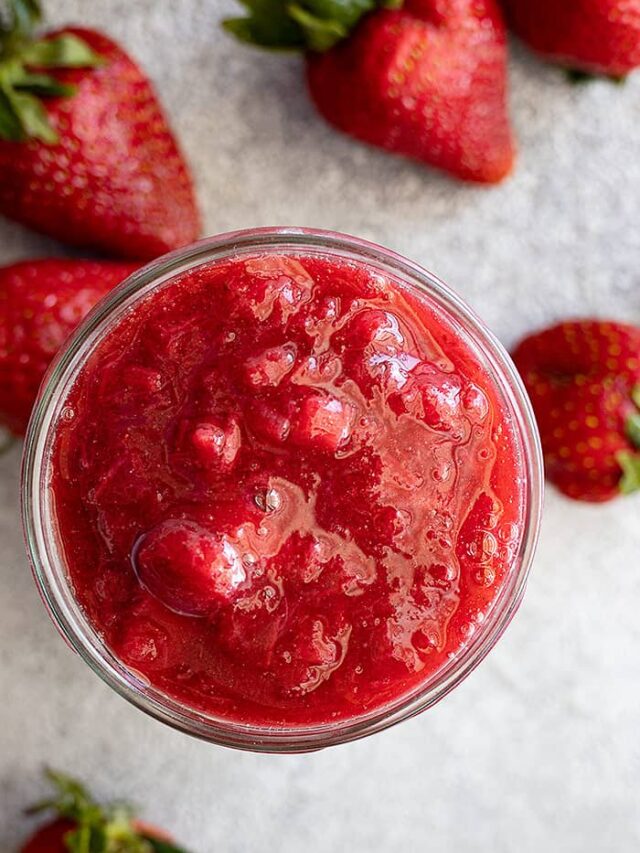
x=41 y=303
x=583 y=378
x=86 y=154
x=424 y=79
x=81 y=825
x=188 y=568
x=595 y=36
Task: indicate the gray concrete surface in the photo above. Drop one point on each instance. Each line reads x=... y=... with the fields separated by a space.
x=539 y=749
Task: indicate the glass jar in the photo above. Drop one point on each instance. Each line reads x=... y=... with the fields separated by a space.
x=40 y=525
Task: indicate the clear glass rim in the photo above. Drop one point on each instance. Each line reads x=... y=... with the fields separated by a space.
x=47 y=564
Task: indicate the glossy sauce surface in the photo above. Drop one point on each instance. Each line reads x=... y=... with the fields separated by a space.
x=287 y=490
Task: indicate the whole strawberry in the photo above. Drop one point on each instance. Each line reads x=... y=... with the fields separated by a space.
x=595 y=36
x=424 y=79
x=86 y=154
x=41 y=303
x=80 y=825
x=583 y=378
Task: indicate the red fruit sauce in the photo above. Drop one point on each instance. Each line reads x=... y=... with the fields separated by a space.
x=287 y=489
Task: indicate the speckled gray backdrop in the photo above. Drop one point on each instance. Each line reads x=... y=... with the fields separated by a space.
x=539 y=749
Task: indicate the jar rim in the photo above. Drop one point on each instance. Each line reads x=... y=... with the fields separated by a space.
x=47 y=563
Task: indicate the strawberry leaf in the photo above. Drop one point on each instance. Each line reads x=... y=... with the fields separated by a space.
x=23 y=17
x=630 y=464
x=22 y=113
x=43 y=84
x=326 y=22
x=64 y=51
x=10 y=124
x=635 y=395
x=267 y=24
x=632 y=427
x=73 y=801
x=97 y=829
x=304 y=25
x=32 y=115
x=85 y=839
x=319 y=34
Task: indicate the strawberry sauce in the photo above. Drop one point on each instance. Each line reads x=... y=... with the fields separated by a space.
x=287 y=490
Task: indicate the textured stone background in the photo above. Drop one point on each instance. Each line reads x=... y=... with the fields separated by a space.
x=539 y=749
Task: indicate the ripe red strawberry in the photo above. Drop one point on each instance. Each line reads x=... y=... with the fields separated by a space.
x=583 y=378
x=597 y=36
x=80 y=824
x=94 y=163
x=424 y=79
x=41 y=303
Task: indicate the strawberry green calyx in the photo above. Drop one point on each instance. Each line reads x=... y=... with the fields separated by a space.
x=24 y=81
x=632 y=424
x=630 y=464
x=97 y=829
x=627 y=459
x=315 y=25
x=632 y=428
